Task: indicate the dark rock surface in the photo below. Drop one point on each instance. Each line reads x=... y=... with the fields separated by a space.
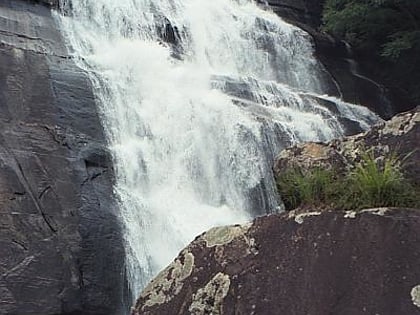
x=307 y=12
x=61 y=249
x=338 y=263
x=48 y=3
x=400 y=135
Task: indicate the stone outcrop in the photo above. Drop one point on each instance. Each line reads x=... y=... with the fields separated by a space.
x=342 y=263
x=400 y=136
x=61 y=249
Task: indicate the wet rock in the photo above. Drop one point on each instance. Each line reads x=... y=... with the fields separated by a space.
x=300 y=263
x=61 y=249
x=400 y=135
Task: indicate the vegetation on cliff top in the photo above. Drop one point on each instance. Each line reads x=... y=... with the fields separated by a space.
x=373 y=182
x=388 y=28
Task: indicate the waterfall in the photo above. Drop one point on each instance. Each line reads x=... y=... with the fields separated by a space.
x=197 y=97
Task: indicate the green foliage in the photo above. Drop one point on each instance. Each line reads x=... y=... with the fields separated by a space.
x=300 y=188
x=372 y=183
x=385 y=35
x=400 y=42
x=388 y=26
x=378 y=184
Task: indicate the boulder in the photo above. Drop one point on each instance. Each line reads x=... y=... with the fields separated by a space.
x=400 y=136
x=61 y=248
x=336 y=262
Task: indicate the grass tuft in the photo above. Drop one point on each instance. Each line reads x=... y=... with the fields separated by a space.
x=299 y=188
x=379 y=183
x=371 y=183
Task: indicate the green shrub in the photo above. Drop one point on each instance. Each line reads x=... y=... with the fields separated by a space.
x=299 y=188
x=389 y=27
x=385 y=35
x=372 y=183
x=378 y=183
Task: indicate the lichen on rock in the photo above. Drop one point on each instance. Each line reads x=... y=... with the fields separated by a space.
x=170 y=281
x=351 y=214
x=225 y=234
x=209 y=300
x=415 y=296
x=299 y=218
x=401 y=124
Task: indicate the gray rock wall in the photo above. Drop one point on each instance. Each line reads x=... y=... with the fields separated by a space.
x=61 y=249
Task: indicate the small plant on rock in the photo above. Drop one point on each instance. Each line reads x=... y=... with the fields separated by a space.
x=300 y=188
x=378 y=183
x=373 y=182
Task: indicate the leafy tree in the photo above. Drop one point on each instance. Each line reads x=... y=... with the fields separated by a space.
x=390 y=26
x=389 y=29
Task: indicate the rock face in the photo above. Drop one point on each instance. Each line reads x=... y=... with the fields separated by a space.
x=307 y=12
x=61 y=249
x=400 y=135
x=48 y=3
x=331 y=263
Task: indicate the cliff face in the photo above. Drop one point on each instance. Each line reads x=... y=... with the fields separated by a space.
x=61 y=250
x=314 y=263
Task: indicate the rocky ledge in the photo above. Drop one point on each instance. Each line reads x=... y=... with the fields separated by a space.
x=400 y=136
x=342 y=263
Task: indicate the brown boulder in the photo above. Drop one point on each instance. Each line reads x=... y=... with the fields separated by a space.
x=343 y=263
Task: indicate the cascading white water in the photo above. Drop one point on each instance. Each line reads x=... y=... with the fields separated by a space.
x=197 y=97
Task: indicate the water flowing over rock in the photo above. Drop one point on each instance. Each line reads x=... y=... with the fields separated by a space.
x=61 y=250
x=318 y=263
x=197 y=97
